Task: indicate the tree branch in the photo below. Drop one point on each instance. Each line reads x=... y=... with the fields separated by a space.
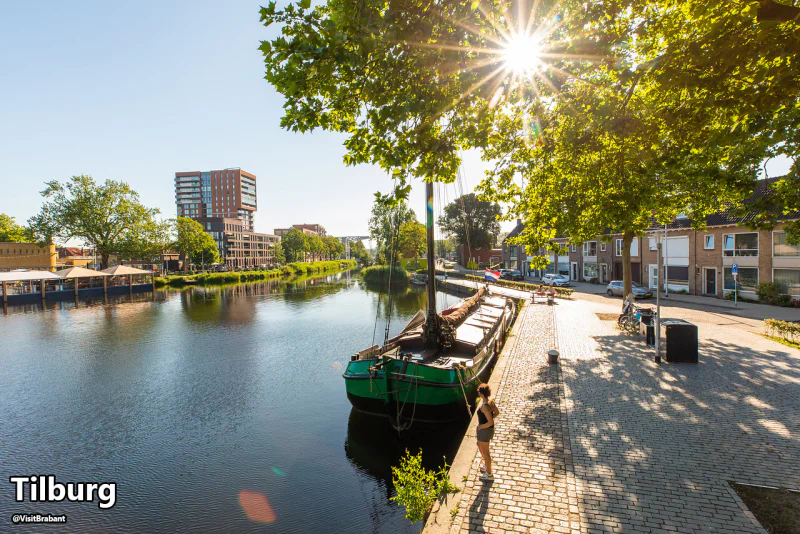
x=771 y=10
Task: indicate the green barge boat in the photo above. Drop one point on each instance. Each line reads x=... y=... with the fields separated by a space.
x=431 y=371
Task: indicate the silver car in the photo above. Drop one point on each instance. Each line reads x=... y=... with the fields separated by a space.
x=638 y=290
x=558 y=280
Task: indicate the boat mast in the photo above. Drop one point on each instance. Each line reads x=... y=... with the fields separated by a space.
x=432 y=320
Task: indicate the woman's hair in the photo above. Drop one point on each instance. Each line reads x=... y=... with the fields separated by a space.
x=485 y=390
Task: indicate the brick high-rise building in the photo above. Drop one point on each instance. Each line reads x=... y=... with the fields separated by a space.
x=228 y=193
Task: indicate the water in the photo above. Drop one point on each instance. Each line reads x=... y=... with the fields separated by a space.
x=202 y=401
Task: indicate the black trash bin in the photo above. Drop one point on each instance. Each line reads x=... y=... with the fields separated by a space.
x=680 y=341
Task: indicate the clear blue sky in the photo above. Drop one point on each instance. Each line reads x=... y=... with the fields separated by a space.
x=136 y=91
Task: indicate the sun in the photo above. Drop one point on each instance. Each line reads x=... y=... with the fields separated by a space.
x=521 y=54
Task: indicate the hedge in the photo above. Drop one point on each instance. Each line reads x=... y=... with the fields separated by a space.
x=561 y=292
x=379 y=274
x=788 y=331
x=254 y=276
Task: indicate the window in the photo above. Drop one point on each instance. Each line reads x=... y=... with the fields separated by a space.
x=748 y=279
x=635 y=246
x=573 y=247
x=708 y=242
x=652 y=245
x=788 y=281
x=618 y=247
x=740 y=244
x=602 y=246
x=590 y=248
x=781 y=248
x=589 y=270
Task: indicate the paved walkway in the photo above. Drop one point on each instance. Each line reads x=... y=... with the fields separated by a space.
x=530 y=493
x=608 y=441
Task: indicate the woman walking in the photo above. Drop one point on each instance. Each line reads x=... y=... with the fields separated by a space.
x=487 y=411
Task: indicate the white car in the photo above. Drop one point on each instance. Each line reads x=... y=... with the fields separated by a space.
x=558 y=280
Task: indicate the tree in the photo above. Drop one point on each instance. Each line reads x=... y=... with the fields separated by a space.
x=384 y=225
x=103 y=216
x=647 y=97
x=295 y=245
x=148 y=241
x=334 y=247
x=194 y=244
x=358 y=251
x=471 y=221
x=412 y=239
x=317 y=247
x=445 y=247
x=10 y=231
x=278 y=257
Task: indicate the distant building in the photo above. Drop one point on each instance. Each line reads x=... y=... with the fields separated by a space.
x=239 y=247
x=483 y=257
x=308 y=229
x=27 y=256
x=228 y=193
x=75 y=257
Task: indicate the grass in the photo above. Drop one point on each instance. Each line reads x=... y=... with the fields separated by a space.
x=254 y=276
x=778 y=510
x=782 y=341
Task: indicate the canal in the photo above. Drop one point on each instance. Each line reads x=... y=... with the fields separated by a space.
x=204 y=405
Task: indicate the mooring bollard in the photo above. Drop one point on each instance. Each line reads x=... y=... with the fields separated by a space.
x=552 y=356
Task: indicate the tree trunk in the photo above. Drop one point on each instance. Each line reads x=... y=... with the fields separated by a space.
x=627 y=279
x=104 y=261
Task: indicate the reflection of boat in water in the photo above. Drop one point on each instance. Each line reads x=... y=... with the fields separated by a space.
x=432 y=369
x=419 y=279
x=373 y=446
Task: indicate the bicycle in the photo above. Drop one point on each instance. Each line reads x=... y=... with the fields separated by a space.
x=630 y=317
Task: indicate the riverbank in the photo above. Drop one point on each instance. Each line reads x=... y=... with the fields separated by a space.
x=317 y=267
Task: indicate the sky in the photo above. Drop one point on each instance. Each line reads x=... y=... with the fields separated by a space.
x=137 y=91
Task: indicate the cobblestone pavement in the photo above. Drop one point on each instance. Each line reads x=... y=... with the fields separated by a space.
x=608 y=441
x=654 y=446
x=531 y=461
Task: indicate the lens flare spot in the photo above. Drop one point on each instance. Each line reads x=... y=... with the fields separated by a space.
x=256 y=506
x=336 y=366
x=278 y=472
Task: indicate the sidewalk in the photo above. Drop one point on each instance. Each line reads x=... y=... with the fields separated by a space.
x=609 y=441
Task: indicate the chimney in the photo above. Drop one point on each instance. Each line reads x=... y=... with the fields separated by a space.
x=519 y=222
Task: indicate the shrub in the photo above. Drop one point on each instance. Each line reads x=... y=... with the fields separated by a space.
x=253 y=276
x=769 y=293
x=788 y=331
x=561 y=292
x=379 y=274
x=417 y=487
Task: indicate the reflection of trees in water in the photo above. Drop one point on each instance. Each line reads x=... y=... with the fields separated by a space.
x=406 y=301
x=233 y=302
x=373 y=446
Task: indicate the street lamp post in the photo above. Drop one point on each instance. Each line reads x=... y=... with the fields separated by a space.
x=658 y=302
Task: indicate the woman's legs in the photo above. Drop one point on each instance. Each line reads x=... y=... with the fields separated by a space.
x=483 y=446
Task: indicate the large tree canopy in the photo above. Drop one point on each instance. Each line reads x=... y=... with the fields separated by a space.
x=106 y=216
x=471 y=221
x=412 y=239
x=635 y=110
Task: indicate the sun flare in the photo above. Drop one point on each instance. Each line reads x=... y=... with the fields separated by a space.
x=521 y=54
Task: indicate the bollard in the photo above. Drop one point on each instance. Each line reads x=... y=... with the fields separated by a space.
x=552 y=356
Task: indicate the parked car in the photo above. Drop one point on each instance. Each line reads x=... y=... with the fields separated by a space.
x=511 y=274
x=558 y=280
x=639 y=291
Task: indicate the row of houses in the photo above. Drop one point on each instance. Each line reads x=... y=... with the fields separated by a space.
x=15 y=256
x=696 y=262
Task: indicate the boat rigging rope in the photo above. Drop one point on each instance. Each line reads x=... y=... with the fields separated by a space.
x=463 y=391
x=398 y=410
x=391 y=270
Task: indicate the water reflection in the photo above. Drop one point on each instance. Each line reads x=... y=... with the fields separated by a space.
x=215 y=409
